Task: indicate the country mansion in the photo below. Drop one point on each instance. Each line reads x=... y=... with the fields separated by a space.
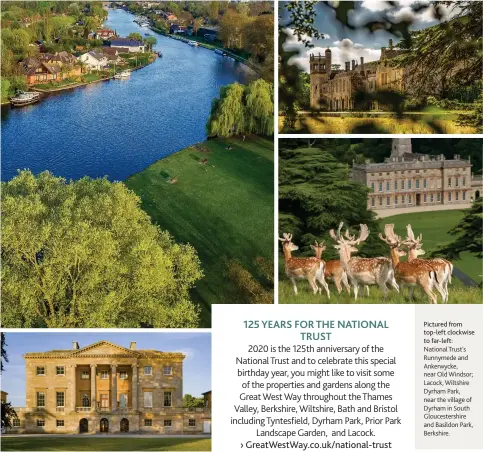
x=107 y=388
x=408 y=180
x=334 y=89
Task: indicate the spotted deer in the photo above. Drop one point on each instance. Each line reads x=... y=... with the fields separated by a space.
x=442 y=267
x=333 y=269
x=365 y=271
x=416 y=272
x=309 y=268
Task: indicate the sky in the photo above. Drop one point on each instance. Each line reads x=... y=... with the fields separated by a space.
x=196 y=346
x=346 y=44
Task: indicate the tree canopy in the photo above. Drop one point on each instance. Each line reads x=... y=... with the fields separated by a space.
x=192 y=402
x=316 y=194
x=242 y=110
x=468 y=232
x=83 y=254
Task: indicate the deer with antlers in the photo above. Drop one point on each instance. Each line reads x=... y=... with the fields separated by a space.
x=309 y=268
x=333 y=269
x=365 y=271
x=416 y=272
x=442 y=267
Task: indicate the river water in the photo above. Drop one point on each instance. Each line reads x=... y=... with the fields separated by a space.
x=119 y=127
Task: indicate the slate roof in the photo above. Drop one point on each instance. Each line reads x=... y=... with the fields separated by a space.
x=126 y=42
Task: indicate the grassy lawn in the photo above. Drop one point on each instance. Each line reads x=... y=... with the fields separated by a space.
x=457 y=295
x=85 y=443
x=325 y=125
x=223 y=208
x=434 y=226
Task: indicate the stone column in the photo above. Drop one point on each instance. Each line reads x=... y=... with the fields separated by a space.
x=114 y=387
x=72 y=395
x=134 y=393
x=93 y=387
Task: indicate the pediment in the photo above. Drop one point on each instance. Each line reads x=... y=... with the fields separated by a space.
x=104 y=348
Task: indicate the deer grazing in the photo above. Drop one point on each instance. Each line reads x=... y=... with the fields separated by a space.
x=309 y=268
x=365 y=271
x=416 y=272
x=442 y=267
x=333 y=269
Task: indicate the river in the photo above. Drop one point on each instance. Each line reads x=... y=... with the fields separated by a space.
x=119 y=127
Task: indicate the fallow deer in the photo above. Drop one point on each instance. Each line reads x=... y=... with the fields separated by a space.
x=333 y=269
x=309 y=268
x=442 y=267
x=365 y=271
x=416 y=272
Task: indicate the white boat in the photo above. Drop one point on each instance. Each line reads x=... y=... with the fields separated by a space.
x=219 y=52
x=24 y=98
x=193 y=43
x=123 y=74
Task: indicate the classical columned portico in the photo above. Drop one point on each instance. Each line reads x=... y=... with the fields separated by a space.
x=114 y=387
x=93 y=386
x=134 y=401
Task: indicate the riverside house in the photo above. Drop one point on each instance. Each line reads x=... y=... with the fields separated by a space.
x=50 y=67
x=104 y=34
x=131 y=44
x=107 y=388
x=94 y=60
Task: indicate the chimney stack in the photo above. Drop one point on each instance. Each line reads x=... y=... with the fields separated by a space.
x=353 y=64
x=362 y=61
x=347 y=66
x=133 y=346
x=390 y=44
x=75 y=345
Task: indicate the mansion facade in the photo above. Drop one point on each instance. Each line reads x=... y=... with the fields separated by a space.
x=334 y=89
x=107 y=388
x=408 y=180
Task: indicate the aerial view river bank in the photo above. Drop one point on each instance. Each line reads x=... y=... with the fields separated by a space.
x=119 y=127
x=140 y=201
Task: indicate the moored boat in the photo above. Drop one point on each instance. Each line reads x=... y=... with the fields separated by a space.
x=220 y=52
x=193 y=43
x=24 y=98
x=123 y=74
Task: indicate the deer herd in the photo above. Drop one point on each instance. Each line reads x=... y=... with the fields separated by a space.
x=364 y=272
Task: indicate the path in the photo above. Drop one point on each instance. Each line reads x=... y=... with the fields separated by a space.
x=464 y=278
x=383 y=213
x=104 y=435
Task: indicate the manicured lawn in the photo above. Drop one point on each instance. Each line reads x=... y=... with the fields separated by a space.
x=85 y=443
x=321 y=124
x=223 y=208
x=434 y=226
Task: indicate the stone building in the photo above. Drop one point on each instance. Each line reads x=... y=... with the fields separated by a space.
x=106 y=388
x=411 y=180
x=334 y=89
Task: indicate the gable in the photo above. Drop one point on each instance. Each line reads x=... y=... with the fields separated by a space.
x=104 y=348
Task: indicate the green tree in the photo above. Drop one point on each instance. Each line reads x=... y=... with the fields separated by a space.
x=5 y=89
x=227 y=116
x=150 y=42
x=259 y=108
x=8 y=413
x=231 y=29
x=4 y=351
x=468 y=232
x=83 y=254
x=315 y=194
x=135 y=36
x=192 y=402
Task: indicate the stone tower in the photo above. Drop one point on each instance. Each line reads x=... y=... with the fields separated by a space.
x=320 y=70
x=401 y=146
